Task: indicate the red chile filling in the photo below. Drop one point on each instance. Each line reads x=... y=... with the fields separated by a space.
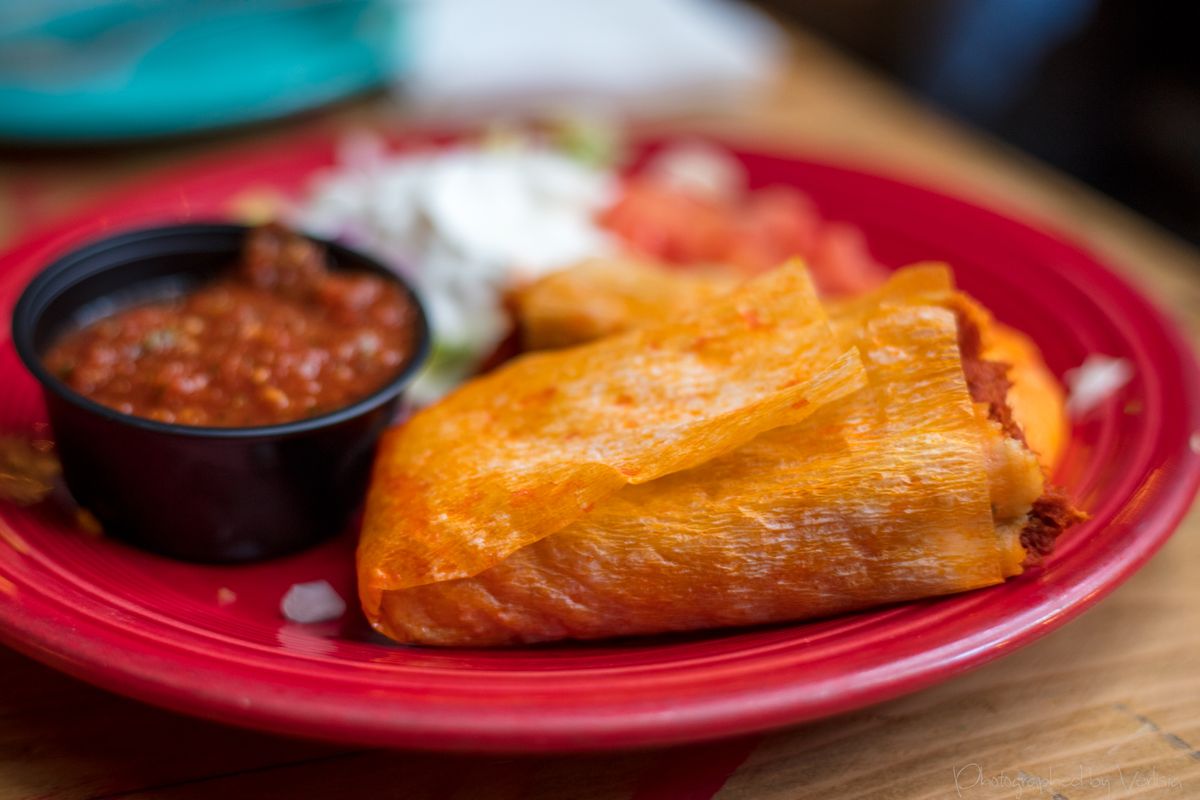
x=1052 y=513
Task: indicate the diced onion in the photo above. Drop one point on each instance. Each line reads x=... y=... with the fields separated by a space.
x=315 y=601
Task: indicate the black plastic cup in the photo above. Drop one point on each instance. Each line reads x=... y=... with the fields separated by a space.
x=197 y=493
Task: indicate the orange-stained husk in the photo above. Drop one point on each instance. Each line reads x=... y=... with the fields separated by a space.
x=519 y=454
x=883 y=496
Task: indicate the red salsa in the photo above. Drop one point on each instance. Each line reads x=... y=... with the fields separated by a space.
x=277 y=339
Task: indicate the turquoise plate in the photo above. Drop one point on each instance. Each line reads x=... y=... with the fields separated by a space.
x=70 y=73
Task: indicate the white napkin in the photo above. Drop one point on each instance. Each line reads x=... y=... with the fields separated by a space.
x=480 y=57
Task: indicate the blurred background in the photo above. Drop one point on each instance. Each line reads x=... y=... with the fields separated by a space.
x=1101 y=89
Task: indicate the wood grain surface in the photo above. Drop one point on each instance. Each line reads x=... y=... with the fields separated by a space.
x=1107 y=707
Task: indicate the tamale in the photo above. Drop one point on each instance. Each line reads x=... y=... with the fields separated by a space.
x=602 y=297
x=905 y=489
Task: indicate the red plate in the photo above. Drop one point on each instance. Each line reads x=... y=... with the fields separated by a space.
x=154 y=629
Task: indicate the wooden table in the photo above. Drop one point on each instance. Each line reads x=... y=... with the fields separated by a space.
x=1107 y=707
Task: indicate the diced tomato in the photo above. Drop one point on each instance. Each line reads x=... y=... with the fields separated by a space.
x=664 y=223
x=841 y=263
x=752 y=233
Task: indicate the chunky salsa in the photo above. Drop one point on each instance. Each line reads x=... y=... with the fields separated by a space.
x=277 y=339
